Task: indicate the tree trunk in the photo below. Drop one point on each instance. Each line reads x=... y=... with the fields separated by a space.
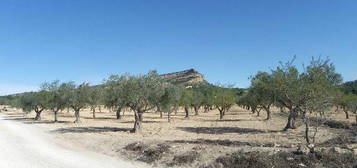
x=160 y=114
x=93 y=110
x=307 y=138
x=187 y=115
x=196 y=110
x=38 y=115
x=55 y=113
x=138 y=120
x=77 y=115
x=346 y=113
x=337 y=108
x=221 y=114
x=291 y=120
x=206 y=109
x=282 y=110
x=168 y=117
x=100 y=109
x=258 y=112
x=267 y=109
x=158 y=109
x=253 y=110
x=268 y=115
x=118 y=113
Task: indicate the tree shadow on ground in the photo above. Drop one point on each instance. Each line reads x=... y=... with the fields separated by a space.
x=89 y=130
x=211 y=142
x=223 y=130
x=48 y=122
x=237 y=120
x=126 y=122
x=101 y=118
x=18 y=119
x=228 y=143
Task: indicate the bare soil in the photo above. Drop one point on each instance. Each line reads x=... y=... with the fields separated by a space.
x=200 y=141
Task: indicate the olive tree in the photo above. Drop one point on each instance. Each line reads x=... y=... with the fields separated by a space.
x=263 y=92
x=348 y=103
x=94 y=98
x=143 y=93
x=36 y=101
x=208 y=97
x=250 y=102
x=185 y=100
x=318 y=87
x=77 y=97
x=170 y=100
x=224 y=99
x=353 y=106
x=197 y=99
x=25 y=102
x=115 y=93
x=286 y=81
x=56 y=97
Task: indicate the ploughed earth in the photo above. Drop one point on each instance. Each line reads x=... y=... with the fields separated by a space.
x=241 y=139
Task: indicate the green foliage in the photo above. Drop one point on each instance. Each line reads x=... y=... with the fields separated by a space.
x=307 y=90
x=26 y=102
x=209 y=93
x=115 y=93
x=77 y=97
x=7 y=100
x=170 y=100
x=224 y=99
x=186 y=97
x=312 y=91
x=350 y=87
x=262 y=93
x=95 y=96
x=56 y=95
x=320 y=83
x=34 y=101
x=197 y=99
x=348 y=102
x=143 y=93
x=286 y=80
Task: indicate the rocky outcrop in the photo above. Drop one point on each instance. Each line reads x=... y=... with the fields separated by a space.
x=187 y=78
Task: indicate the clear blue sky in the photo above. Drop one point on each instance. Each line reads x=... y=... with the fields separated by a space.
x=227 y=41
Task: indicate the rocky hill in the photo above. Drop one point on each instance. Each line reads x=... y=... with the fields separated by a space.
x=188 y=77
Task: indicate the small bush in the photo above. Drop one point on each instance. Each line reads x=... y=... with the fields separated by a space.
x=148 y=153
x=186 y=158
x=284 y=160
x=338 y=124
x=136 y=147
x=154 y=153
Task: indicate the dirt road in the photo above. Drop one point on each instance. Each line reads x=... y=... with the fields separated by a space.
x=24 y=146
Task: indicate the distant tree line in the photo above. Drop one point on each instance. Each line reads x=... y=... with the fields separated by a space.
x=139 y=93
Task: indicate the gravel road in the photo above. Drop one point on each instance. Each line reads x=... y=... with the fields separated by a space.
x=25 y=146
